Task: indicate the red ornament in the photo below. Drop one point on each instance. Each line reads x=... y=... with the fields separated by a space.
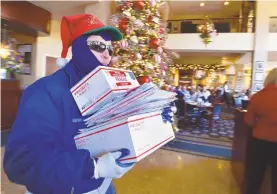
x=150 y=19
x=154 y=42
x=123 y=27
x=164 y=66
x=143 y=79
x=123 y=21
x=139 y=5
x=128 y=4
x=119 y=8
x=162 y=30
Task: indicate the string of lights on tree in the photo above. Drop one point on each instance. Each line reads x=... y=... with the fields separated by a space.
x=141 y=49
x=204 y=67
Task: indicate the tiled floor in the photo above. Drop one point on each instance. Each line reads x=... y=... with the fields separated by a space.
x=166 y=172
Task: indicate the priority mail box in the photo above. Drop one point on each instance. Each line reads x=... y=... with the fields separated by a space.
x=141 y=134
x=100 y=86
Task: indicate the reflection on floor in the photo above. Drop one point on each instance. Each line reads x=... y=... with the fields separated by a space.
x=166 y=172
x=215 y=142
x=198 y=138
x=223 y=130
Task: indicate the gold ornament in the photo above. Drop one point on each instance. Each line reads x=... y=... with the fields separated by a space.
x=149 y=65
x=134 y=40
x=126 y=13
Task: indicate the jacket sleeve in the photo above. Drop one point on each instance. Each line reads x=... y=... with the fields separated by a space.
x=34 y=155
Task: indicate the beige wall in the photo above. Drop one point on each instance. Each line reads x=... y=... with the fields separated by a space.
x=44 y=46
x=102 y=10
x=51 y=46
x=51 y=66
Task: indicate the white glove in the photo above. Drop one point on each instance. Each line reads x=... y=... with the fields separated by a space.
x=108 y=165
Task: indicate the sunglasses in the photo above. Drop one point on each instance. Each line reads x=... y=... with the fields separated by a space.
x=99 y=47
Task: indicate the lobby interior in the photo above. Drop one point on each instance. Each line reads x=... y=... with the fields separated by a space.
x=209 y=161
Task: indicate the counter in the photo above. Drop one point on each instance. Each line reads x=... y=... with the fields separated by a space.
x=10 y=97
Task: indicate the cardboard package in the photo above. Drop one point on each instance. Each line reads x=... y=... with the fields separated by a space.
x=100 y=86
x=141 y=134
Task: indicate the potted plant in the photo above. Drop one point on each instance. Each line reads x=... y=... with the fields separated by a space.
x=11 y=63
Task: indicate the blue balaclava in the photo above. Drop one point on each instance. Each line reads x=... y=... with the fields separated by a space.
x=83 y=60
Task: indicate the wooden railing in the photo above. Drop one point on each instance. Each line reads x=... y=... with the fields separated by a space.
x=222 y=25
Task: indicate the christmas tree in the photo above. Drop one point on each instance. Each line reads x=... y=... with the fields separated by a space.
x=141 y=49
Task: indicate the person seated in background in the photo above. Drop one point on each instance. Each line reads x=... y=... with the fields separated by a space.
x=169 y=88
x=180 y=105
x=189 y=89
x=164 y=87
x=199 y=87
x=218 y=95
x=206 y=95
x=237 y=99
x=177 y=88
x=194 y=94
x=212 y=89
x=185 y=93
x=261 y=115
x=200 y=93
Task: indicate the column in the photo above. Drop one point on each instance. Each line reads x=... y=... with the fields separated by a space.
x=176 y=77
x=245 y=9
x=101 y=10
x=164 y=10
x=260 y=55
x=239 y=78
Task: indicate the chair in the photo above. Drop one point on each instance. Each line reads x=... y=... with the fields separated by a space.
x=237 y=101
x=244 y=104
x=192 y=112
x=213 y=117
x=180 y=110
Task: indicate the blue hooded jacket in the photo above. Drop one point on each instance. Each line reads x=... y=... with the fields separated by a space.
x=41 y=152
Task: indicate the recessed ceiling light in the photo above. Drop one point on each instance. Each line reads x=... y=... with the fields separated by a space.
x=202 y=4
x=226 y=3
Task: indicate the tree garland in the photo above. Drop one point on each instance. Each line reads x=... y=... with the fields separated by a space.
x=205 y=67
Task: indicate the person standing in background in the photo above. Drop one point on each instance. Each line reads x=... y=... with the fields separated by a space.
x=262 y=117
x=226 y=94
x=248 y=94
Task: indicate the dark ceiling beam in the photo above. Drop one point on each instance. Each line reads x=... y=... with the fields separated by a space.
x=25 y=17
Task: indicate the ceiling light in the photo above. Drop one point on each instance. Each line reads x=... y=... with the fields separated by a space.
x=202 y=4
x=226 y=3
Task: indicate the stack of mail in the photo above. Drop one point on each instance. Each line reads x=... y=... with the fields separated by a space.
x=100 y=87
x=143 y=99
x=142 y=134
x=120 y=113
